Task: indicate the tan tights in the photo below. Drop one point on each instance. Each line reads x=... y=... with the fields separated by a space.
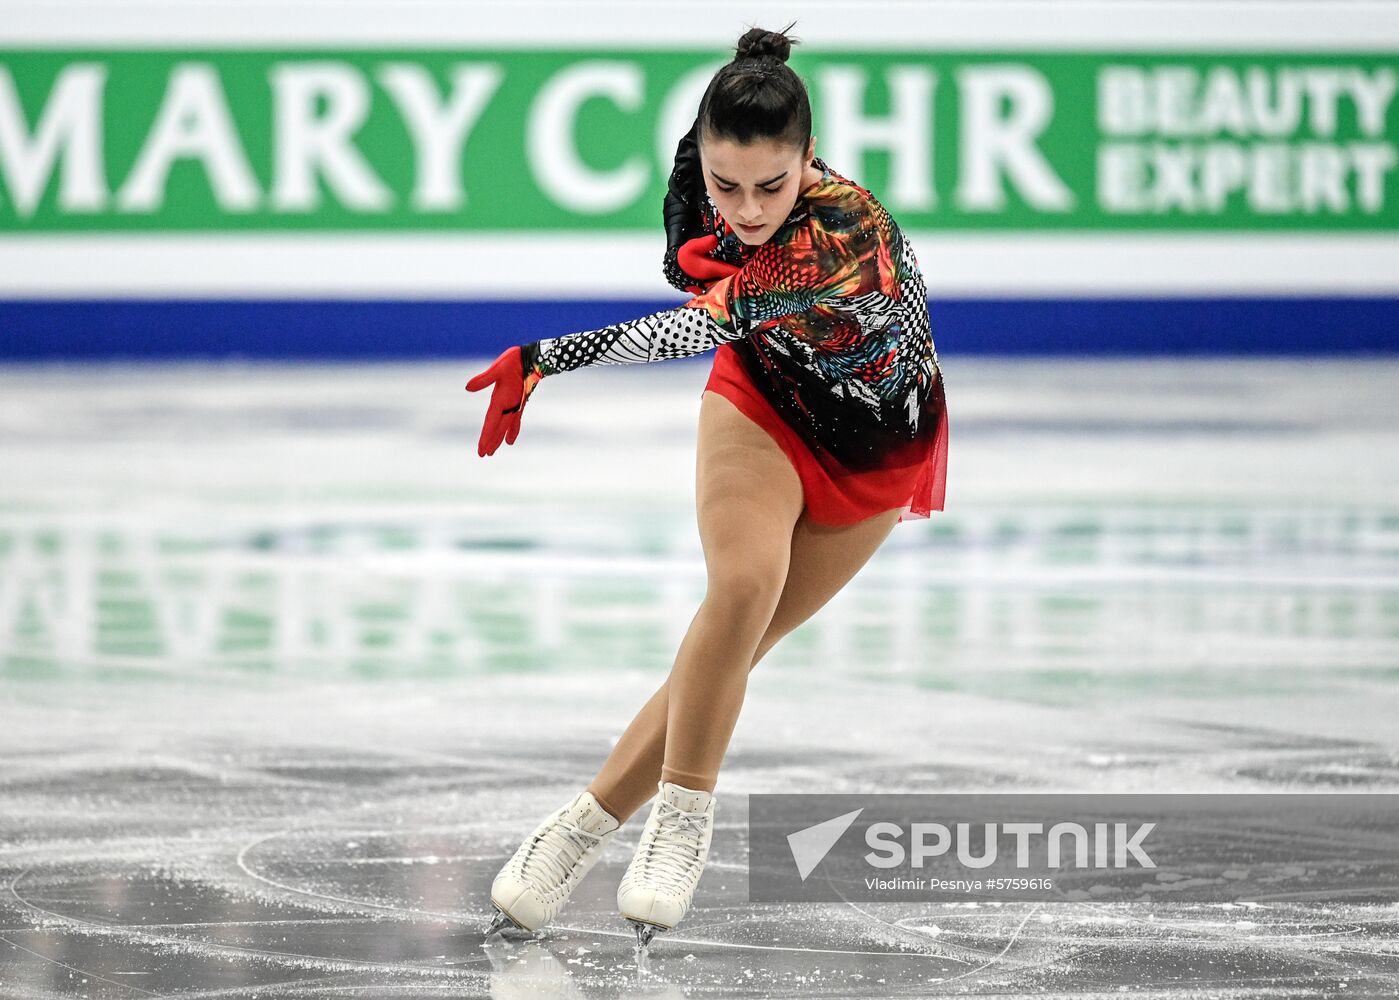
x=769 y=569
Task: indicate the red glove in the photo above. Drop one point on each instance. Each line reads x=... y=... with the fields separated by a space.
x=512 y=390
x=693 y=258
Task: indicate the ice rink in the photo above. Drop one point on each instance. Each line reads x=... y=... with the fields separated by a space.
x=289 y=671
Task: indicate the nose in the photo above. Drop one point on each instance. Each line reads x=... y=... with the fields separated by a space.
x=749 y=210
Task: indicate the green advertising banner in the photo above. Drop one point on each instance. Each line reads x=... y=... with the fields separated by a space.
x=535 y=140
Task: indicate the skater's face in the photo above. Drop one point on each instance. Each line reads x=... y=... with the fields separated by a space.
x=754 y=185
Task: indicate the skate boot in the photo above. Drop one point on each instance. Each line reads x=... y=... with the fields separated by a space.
x=660 y=882
x=537 y=880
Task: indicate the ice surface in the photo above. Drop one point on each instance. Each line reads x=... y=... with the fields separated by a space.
x=288 y=671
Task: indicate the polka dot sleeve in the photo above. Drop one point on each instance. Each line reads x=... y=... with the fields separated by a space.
x=673 y=333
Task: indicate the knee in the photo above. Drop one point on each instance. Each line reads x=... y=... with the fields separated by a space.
x=745 y=593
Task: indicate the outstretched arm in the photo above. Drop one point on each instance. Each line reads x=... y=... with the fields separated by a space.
x=672 y=333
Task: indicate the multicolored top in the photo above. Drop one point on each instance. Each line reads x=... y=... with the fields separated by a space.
x=829 y=317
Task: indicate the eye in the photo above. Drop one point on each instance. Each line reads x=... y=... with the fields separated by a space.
x=769 y=190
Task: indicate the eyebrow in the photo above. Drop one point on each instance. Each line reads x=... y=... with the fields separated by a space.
x=725 y=180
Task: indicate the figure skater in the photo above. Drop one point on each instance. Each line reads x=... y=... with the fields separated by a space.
x=822 y=425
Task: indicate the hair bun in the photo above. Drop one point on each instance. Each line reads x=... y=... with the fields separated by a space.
x=757 y=43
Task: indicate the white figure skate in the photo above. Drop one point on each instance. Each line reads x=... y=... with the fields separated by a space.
x=660 y=882
x=536 y=882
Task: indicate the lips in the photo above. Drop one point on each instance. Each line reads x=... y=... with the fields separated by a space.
x=748 y=229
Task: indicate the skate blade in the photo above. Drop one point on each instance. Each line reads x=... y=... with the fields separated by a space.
x=504 y=922
x=645 y=931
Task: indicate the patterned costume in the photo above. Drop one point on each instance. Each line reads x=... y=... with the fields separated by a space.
x=824 y=340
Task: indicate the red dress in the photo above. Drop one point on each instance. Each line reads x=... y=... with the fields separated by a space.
x=835 y=496
x=823 y=339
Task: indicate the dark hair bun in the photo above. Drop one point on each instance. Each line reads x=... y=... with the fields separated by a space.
x=756 y=96
x=757 y=43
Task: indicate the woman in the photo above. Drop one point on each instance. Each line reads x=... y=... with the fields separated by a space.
x=821 y=426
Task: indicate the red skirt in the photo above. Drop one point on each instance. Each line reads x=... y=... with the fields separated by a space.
x=915 y=490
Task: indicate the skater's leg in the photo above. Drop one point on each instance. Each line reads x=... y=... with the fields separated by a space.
x=627 y=779
x=822 y=560
x=748 y=500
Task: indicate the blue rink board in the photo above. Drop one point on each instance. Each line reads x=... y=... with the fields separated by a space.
x=98 y=329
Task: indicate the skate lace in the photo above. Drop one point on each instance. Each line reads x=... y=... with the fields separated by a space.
x=675 y=827
x=550 y=867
